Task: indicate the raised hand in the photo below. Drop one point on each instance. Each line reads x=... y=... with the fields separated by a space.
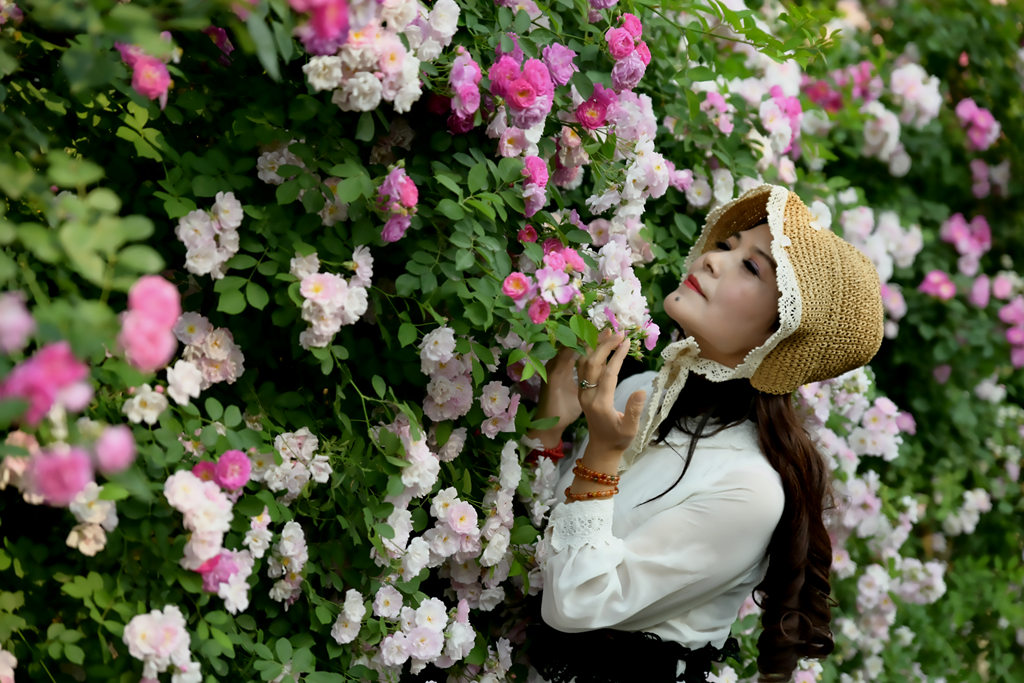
x=610 y=431
x=558 y=398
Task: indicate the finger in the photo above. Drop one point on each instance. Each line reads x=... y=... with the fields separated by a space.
x=634 y=409
x=611 y=370
x=593 y=363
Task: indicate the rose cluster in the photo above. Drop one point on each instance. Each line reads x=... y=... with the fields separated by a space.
x=464 y=80
x=211 y=237
x=51 y=377
x=526 y=88
x=299 y=463
x=95 y=518
x=159 y=640
x=397 y=197
x=981 y=126
x=329 y=300
x=286 y=564
x=207 y=512
x=535 y=180
x=227 y=575
x=988 y=178
x=146 y=336
x=917 y=92
x=450 y=389
x=557 y=282
x=631 y=54
x=1013 y=315
x=212 y=350
x=972 y=239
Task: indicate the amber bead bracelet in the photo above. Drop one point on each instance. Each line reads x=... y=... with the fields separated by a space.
x=585 y=472
x=589 y=495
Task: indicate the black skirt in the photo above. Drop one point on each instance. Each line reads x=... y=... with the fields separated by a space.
x=610 y=656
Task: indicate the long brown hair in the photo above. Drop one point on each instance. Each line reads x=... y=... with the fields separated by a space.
x=794 y=595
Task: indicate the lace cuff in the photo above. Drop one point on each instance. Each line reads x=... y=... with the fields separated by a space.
x=586 y=522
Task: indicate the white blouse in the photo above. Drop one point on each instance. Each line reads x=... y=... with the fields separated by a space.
x=679 y=566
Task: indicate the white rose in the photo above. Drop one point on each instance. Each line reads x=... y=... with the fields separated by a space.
x=323 y=72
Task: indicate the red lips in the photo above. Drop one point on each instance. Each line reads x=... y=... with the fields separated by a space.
x=692 y=283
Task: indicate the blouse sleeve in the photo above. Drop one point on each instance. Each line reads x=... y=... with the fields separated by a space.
x=671 y=563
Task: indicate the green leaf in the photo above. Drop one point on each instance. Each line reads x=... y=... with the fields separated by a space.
x=141 y=258
x=232 y=416
x=231 y=302
x=213 y=408
x=451 y=209
x=379 y=386
x=112 y=491
x=364 y=129
x=407 y=334
x=75 y=654
x=266 y=48
x=256 y=295
x=66 y=171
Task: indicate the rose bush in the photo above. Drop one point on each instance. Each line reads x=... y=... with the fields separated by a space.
x=280 y=280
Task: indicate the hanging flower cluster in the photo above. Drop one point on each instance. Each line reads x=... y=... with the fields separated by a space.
x=150 y=77
x=631 y=54
x=299 y=463
x=329 y=300
x=464 y=81
x=450 y=389
x=95 y=518
x=286 y=564
x=51 y=377
x=982 y=128
x=212 y=350
x=211 y=237
x=397 y=198
x=207 y=514
x=972 y=239
x=159 y=640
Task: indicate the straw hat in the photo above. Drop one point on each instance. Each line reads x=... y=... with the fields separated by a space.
x=830 y=307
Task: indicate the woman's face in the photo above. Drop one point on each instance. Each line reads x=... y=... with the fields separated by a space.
x=729 y=301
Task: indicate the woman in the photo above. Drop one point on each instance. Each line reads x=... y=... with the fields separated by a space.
x=645 y=568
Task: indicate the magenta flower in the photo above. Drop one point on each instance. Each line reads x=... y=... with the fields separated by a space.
x=1015 y=335
x=527 y=234
x=559 y=60
x=502 y=74
x=60 y=476
x=937 y=284
x=538 y=76
x=520 y=94
x=408 y=194
x=395 y=228
x=979 y=295
x=643 y=52
x=651 y=334
x=1002 y=287
x=591 y=114
x=539 y=310
x=217 y=570
x=232 y=471
x=620 y=42
x=115 y=449
x=204 y=469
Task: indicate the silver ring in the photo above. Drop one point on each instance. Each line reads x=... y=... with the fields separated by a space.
x=584 y=384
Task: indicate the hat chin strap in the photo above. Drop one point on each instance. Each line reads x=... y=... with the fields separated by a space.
x=680 y=359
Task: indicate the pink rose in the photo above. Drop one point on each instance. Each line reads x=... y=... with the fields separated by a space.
x=329 y=19
x=626 y=73
x=632 y=24
x=937 y=283
x=150 y=78
x=979 y=295
x=1002 y=287
x=232 y=471
x=115 y=449
x=520 y=94
x=16 y=323
x=502 y=74
x=516 y=285
x=539 y=77
x=643 y=52
x=59 y=477
x=408 y=193
x=620 y=42
x=204 y=469
x=395 y=228
x=148 y=345
x=466 y=100
x=459 y=124
x=591 y=114
x=558 y=58
x=1013 y=312
x=539 y=310
x=51 y=374
x=527 y=234
x=155 y=298
x=535 y=171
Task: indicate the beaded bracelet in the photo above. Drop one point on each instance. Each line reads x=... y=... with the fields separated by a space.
x=585 y=472
x=555 y=453
x=589 y=495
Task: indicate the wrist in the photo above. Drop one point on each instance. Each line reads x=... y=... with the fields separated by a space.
x=602 y=458
x=549 y=438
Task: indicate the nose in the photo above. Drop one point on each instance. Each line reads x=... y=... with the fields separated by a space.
x=712 y=262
